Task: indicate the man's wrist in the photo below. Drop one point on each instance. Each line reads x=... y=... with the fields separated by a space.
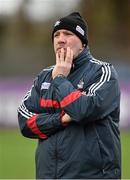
x=60 y=75
x=58 y=80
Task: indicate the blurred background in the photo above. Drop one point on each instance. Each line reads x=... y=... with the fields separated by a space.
x=26 y=48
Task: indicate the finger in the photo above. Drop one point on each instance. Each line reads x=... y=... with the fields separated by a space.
x=62 y=55
x=67 y=58
x=57 y=58
x=69 y=55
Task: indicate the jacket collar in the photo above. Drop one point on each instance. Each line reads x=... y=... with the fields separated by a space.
x=82 y=58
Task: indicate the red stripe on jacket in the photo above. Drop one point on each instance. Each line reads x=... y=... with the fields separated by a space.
x=64 y=102
x=31 y=123
x=49 y=103
x=70 y=98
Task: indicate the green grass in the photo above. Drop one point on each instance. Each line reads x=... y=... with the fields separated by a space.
x=17 y=155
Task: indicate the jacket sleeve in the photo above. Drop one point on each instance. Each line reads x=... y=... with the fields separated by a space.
x=33 y=123
x=101 y=98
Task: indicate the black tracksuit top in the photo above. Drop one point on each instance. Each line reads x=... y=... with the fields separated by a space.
x=89 y=146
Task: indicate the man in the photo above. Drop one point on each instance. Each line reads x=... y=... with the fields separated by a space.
x=73 y=110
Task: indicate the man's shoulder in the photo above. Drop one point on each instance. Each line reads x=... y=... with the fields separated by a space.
x=46 y=71
x=98 y=62
x=44 y=75
x=100 y=68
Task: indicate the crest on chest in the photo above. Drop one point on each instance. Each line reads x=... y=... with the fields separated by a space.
x=80 y=85
x=45 y=85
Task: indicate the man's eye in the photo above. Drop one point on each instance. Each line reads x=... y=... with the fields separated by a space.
x=68 y=33
x=55 y=35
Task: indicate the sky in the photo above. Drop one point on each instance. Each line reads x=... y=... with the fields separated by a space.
x=37 y=9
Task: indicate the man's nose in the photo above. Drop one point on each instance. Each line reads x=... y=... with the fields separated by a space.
x=61 y=38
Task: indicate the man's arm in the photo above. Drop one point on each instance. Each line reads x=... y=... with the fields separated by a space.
x=103 y=97
x=39 y=125
x=33 y=123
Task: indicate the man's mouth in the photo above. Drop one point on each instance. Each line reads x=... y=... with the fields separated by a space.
x=59 y=49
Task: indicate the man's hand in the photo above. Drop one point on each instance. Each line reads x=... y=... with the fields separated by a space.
x=64 y=60
x=66 y=119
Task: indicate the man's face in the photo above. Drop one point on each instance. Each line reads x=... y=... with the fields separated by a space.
x=64 y=38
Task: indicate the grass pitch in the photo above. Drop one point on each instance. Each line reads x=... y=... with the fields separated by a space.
x=16 y=155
